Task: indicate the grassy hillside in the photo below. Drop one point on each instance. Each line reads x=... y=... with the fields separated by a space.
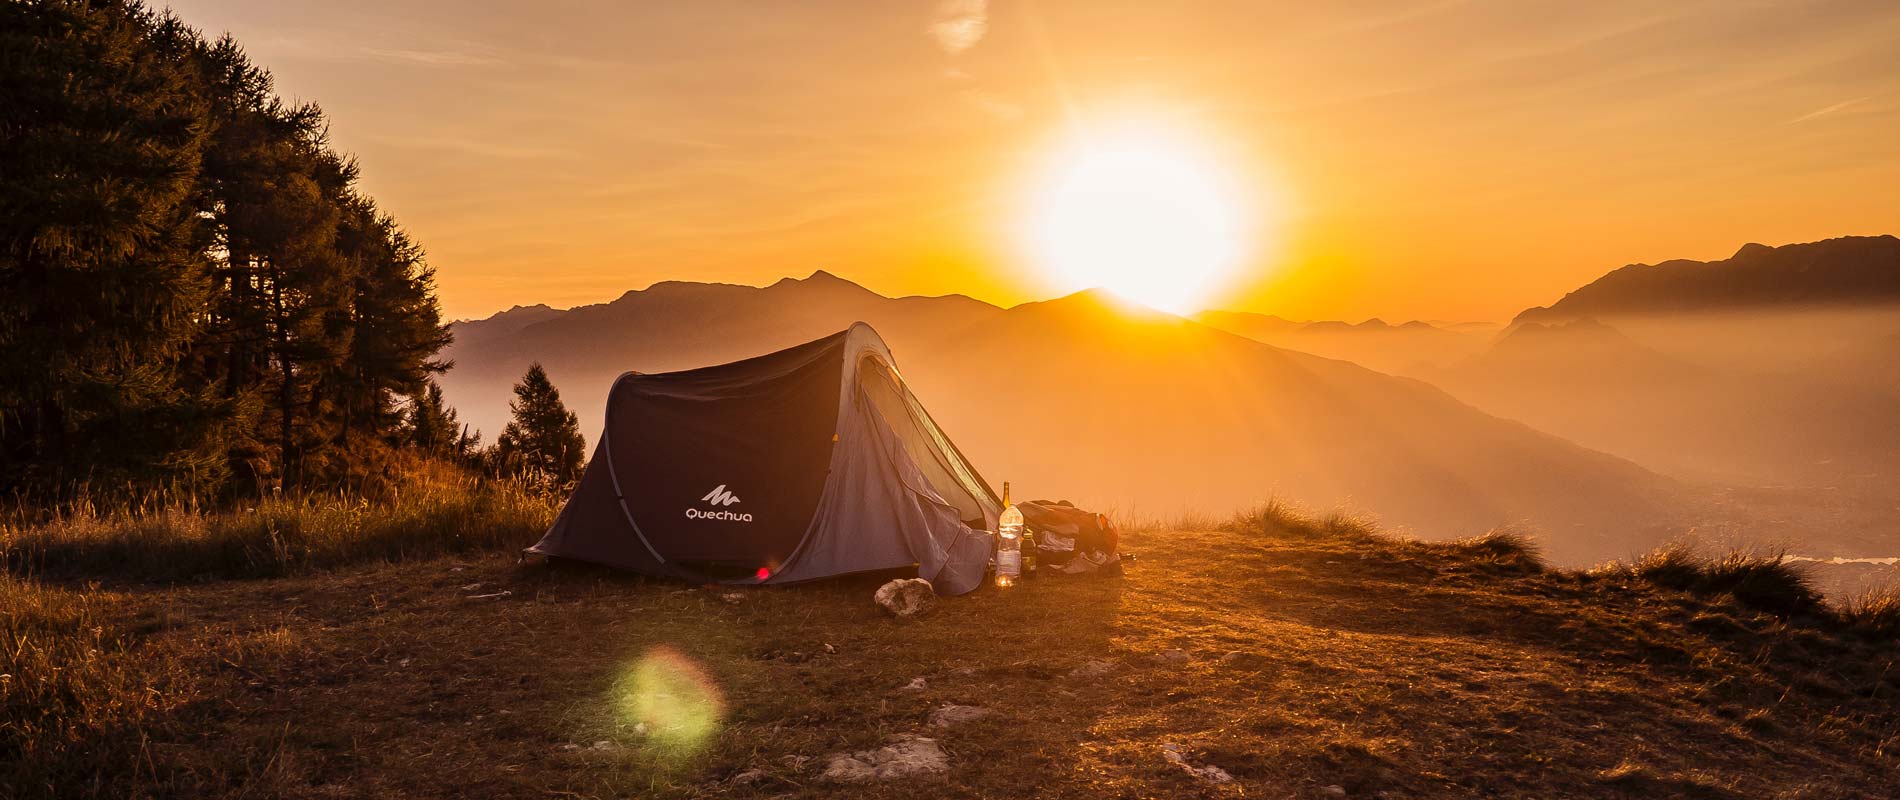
x=1291 y=654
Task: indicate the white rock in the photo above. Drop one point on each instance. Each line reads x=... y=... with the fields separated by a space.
x=732 y=598
x=1333 y=791
x=956 y=715
x=917 y=684
x=1207 y=772
x=907 y=597
x=905 y=757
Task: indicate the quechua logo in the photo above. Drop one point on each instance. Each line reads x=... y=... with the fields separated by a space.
x=723 y=498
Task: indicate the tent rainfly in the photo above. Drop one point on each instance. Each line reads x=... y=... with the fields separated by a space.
x=805 y=463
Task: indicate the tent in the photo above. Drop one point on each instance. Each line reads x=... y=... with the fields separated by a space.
x=805 y=463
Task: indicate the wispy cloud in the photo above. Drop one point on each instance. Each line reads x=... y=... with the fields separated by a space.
x=433 y=58
x=471 y=147
x=1822 y=112
x=960 y=24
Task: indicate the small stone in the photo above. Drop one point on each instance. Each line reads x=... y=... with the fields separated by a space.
x=905 y=757
x=732 y=598
x=829 y=650
x=1333 y=791
x=1094 y=669
x=917 y=684
x=569 y=747
x=1241 y=659
x=604 y=745
x=1212 y=774
x=907 y=597
x=956 y=715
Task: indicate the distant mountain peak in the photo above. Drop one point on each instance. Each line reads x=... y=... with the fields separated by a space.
x=1090 y=305
x=1849 y=270
x=820 y=280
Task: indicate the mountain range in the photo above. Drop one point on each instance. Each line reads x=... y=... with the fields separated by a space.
x=1414 y=349
x=1115 y=407
x=1757 y=409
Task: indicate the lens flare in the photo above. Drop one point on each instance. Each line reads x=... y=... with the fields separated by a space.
x=674 y=699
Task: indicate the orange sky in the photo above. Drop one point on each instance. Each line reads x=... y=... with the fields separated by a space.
x=1438 y=159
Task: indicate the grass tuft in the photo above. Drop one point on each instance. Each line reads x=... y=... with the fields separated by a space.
x=1507 y=549
x=1876 y=611
x=1763 y=582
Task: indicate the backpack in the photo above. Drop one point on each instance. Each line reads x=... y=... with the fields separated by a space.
x=1070 y=540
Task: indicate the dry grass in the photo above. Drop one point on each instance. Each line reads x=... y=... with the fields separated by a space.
x=439 y=513
x=70 y=673
x=1317 y=653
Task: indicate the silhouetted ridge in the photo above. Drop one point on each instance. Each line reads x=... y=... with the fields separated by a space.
x=1843 y=271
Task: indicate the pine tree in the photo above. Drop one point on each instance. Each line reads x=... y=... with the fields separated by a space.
x=542 y=443
x=193 y=288
x=397 y=328
x=273 y=190
x=431 y=426
x=101 y=250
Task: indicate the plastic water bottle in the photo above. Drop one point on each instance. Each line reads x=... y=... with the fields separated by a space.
x=1009 y=543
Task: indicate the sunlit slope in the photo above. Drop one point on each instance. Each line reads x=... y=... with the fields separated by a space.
x=1132 y=409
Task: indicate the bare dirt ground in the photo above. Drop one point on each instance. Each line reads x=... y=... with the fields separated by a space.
x=1297 y=663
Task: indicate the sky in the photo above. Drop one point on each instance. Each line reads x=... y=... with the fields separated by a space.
x=1435 y=159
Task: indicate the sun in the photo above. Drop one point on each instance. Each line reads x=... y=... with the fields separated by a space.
x=1150 y=218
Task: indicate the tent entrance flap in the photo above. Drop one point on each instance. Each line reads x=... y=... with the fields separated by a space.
x=939 y=460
